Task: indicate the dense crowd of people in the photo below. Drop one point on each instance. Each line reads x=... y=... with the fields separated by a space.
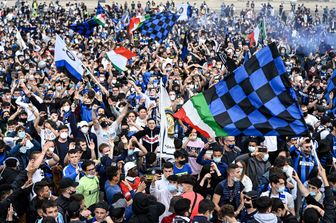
x=89 y=151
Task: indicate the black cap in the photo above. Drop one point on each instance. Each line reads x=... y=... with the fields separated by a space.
x=315 y=182
x=252 y=194
x=67 y=182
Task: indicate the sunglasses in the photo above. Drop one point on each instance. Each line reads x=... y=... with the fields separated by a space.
x=247 y=198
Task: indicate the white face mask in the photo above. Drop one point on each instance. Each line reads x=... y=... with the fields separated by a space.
x=251 y=149
x=172 y=97
x=85 y=130
x=51 y=149
x=66 y=108
x=64 y=135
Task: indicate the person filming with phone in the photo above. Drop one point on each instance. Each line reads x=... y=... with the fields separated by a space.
x=257 y=164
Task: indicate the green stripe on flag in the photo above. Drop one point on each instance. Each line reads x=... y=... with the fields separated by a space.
x=203 y=111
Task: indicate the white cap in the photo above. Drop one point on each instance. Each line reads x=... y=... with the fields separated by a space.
x=128 y=166
x=82 y=123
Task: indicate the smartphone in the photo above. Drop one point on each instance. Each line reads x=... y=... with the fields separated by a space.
x=262 y=149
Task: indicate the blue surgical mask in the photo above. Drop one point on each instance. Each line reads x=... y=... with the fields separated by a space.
x=217 y=159
x=265 y=158
x=312 y=193
x=21 y=134
x=130 y=152
x=281 y=189
x=172 y=188
x=251 y=149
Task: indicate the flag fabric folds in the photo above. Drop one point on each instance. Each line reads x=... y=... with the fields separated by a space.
x=256 y=100
x=85 y=28
x=100 y=9
x=184 y=10
x=119 y=57
x=20 y=41
x=331 y=88
x=158 y=26
x=67 y=60
x=185 y=51
x=136 y=22
x=167 y=147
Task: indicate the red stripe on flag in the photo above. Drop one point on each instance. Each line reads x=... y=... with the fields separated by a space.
x=125 y=52
x=180 y=114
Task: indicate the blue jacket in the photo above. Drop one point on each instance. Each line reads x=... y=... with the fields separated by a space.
x=70 y=171
x=222 y=166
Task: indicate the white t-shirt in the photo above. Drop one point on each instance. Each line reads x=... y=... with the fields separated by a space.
x=103 y=136
x=311 y=120
x=286 y=197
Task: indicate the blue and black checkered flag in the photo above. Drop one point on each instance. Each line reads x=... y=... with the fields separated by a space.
x=256 y=100
x=331 y=87
x=85 y=28
x=158 y=26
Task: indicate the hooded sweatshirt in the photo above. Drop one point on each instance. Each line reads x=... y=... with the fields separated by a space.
x=266 y=218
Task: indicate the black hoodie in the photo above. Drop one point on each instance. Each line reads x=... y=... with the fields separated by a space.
x=146 y=209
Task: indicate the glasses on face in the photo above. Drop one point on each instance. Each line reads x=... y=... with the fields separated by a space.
x=247 y=198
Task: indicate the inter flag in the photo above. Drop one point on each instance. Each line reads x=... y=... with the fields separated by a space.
x=158 y=26
x=119 y=57
x=184 y=10
x=167 y=147
x=85 y=28
x=185 y=50
x=20 y=41
x=67 y=60
x=331 y=88
x=256 y=100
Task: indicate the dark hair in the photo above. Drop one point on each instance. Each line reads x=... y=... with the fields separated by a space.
x=280 y=161
x=72 y=151
x=276 y=204
x=232 y=166
x=275 y=177
x=226 y=210
x=263 y=204
x=111 y=172
x=179 y=153
x=310 y=215
x=332 y=177
x=205 y=205
x=77 y=197
x=102 y=205
x=141 y=108
x=48 y=204
x=102 y=146
x=48 y=219
x=87 y=163
x=61 y=127
x=178 y=143
x=167 y=165
x=182 y=206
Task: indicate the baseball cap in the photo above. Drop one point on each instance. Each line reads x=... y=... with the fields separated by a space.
x=67 y=182
x=252 y=194
x=82 y=123
x=128 y=166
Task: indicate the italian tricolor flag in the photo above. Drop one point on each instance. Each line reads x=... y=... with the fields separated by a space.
x=119 y=57
x=136 y=22
x=197 y=114
x=100 y=19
